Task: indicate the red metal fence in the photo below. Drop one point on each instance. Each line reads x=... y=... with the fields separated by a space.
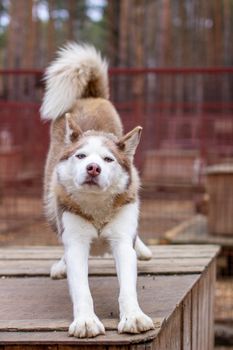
x=187 y=116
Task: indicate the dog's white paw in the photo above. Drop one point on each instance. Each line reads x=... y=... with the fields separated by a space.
x=58 y=270
x=86 y=327
x=142 y=251
x=135 y=323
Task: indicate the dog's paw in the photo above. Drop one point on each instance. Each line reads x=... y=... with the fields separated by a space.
x=86 y=327
x=142 y=251
x=58 y=270
x=135 y=323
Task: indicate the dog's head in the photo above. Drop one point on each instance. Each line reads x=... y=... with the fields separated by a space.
x=93 y=161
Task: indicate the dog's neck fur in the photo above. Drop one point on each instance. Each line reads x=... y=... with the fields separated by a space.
x=90 y=206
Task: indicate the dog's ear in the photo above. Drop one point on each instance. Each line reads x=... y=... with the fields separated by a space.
x=73 y=131
x=129 y=142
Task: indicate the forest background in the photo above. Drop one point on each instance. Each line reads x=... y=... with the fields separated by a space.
x=131 y=33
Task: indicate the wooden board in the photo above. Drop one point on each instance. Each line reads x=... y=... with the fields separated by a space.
x=105 y=267
x=30 y=261
x=36 y=311
x=52 y=253
x=220 y=190
x=195 y=231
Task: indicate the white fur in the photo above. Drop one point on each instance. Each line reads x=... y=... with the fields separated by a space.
x=79 y=71
x=143 y=252
x=112 y=180
x=58 y=270
x=77 y=237
x=68 y=77
x=121 y=232
x=78 y=234
x=73 y=171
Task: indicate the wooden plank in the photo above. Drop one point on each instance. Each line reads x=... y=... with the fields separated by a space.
x=187 y=322
x=45 y=304
x=195 y=317
x=42 y=298
x=219 y=186
x=190 y=251
x=202 y=312
x=106 y=267
x=211 y=295
x=61 y=338
x=206 y=302
x=43 y=325
x=87 y=347
x=172 y=233
x=53 y=253
x=198 y=233
x=29 y=347
x=37 y=310
x=98 y=347
x=200 y=326
x=170 y=337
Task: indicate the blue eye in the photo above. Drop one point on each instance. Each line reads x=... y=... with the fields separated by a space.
x=80 y=156
x=108 y=159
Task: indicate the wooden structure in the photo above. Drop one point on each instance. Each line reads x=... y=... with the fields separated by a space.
x=195 y=231
x=181 y=126
x=176 y=288
x=220 y=190
x=170 y=166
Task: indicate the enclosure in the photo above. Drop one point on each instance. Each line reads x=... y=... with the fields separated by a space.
x=187 y=122
x=171 y=71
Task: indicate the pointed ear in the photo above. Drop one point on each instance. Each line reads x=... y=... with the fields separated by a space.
x=130 y=141
x=73 y=131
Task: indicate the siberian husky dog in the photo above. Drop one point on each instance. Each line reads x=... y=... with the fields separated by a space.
x=91 y=185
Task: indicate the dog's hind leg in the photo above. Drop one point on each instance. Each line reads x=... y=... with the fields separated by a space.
x=142 y=251
x=58 y=269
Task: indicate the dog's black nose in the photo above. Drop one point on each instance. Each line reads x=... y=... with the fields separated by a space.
x=93 y=169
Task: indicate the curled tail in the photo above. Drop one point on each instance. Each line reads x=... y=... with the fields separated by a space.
x=77 y=72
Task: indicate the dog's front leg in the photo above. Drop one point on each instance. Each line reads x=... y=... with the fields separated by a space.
x=77 y=237
x=122 y=233
x=132 y=319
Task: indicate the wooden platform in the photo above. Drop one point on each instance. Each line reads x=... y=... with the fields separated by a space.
x=175 y=288
x=195 y=231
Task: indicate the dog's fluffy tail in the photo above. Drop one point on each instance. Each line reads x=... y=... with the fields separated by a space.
x=78 y=72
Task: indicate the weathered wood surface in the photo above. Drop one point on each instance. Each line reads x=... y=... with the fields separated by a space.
x=195 y=231
x=36 y=311
x=220 y=191
x=36 y=261
x=53 y=253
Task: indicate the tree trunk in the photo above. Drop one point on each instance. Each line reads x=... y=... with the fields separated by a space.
x=51 y=31
x=71 y=25
x=124 y=32
x=113 y=15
